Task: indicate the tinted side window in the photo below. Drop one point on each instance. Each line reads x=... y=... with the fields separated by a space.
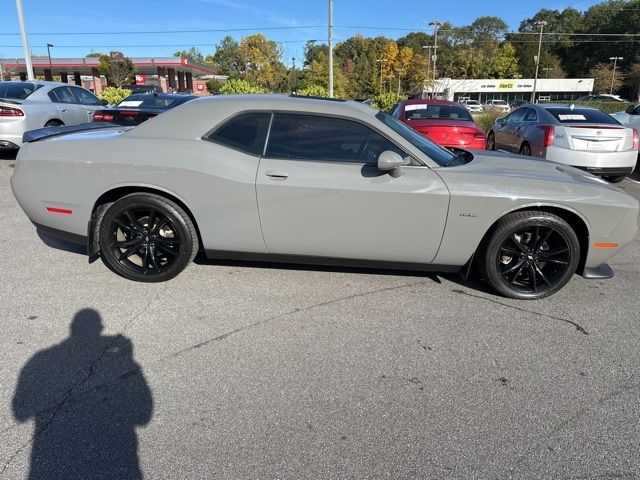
x=85 y=97
x=531 y=115
x=309 y=137
x=62 y=95
x=246 y=132
x=516 y=116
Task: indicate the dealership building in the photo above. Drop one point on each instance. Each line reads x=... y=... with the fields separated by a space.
x=483 y=90
x=167 y=73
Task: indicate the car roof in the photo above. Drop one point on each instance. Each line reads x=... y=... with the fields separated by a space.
x=428 y=101
x=547 y=106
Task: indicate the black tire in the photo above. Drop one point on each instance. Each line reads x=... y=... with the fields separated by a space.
x=491 y=141
x=146 y=238
x=525 y=150
x=615 y=179
x=530 y=255
x=54 y=123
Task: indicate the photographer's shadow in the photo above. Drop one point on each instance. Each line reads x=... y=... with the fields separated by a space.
x=86 y=395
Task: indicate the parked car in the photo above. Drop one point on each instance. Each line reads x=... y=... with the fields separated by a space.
x=35 y=104
x=497 y=105
x=316 y=181
x=473 y=106
x=630 y=117
x=446 y=123
x=137 y=108
x=578 y=136
x=143 y=89
x=602 y=97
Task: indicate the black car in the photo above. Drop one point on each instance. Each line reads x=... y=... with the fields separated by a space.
x=137 y=108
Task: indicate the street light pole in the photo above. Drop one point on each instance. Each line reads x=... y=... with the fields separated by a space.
x=436 y=24
x=49 y=54
x=330 y=48
x=613 y=75
x=25 y=41
x=540 y=24
x=428 y=48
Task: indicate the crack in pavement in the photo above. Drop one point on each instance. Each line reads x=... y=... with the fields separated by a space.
x=578 y=327
x=282 y=315
x=58 y=407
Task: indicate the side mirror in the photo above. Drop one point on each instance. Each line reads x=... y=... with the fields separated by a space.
x=630 y=109
x=391 y=162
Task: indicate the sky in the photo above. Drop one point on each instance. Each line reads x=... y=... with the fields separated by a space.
x=105 y=24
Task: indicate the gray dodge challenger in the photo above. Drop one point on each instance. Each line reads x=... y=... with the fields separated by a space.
x=304 y=180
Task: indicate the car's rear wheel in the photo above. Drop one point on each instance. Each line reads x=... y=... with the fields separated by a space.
x=491 y=141
x=615 y=179
x=147 y=238
x=525 y=150
x=530 y=255
x=53 y=123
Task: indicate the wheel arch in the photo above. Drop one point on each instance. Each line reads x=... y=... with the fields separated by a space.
x=116 y=193
x=575 y=220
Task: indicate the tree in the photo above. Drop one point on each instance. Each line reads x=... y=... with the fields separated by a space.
x=214 y=85
x=259 y=59
x=602 y=75
x=633 y=81
x=192 y=54
x=118 y=69
x=317 y=75
x=225 y=58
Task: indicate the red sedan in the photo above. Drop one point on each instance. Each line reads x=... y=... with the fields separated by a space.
x=446 y=123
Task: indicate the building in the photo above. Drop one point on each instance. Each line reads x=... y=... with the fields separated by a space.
x=547 y=89
x=168 y=73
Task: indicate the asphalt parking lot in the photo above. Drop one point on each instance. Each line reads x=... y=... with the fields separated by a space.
x=243 y=370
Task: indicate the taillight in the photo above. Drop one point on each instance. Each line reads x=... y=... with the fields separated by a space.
x=636 y=140
x=549 y=131
x=10 y=112
x=129 y=112
x=102 y=117
x=479 y=135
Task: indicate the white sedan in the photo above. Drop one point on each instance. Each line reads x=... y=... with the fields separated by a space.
x=35 y=104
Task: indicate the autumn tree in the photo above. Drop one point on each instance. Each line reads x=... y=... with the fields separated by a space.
x=259 y=60
x=602 y=75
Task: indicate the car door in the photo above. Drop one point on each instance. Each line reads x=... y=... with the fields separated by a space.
x=89 y=101
x=501 y=133
x=514 y=123
x=320 y=194
x=69 y=108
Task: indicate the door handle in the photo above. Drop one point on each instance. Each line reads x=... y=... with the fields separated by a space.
x=276 y=175
x=63 y=109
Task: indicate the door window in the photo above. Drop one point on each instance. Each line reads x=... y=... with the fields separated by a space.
x=246 y=132
x=531 y=115
x=62 y=95
x=85 y=98
x=310 y=137
x=516 y=116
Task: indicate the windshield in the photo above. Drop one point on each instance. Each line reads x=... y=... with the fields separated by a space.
x=147 y=100
x=435 y=152
x=422 y=111
x=581 y=115
x=17 y=90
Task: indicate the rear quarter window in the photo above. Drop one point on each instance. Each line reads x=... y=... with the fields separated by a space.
x=581 y=115
x=246 y=132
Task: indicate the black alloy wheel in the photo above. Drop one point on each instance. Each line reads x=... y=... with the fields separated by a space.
x=491 y=141
x=147 y=238
x=531 y=255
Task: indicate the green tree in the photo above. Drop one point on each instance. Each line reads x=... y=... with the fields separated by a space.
x=214 y=85
x=236 y=86
x=225 y=58
x=259 y=59
x=192 y=54
x=118 y=69
x=317 y=75
x=314 y=91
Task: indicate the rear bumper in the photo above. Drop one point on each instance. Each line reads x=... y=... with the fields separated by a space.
x=608 y=172
x=624 y=161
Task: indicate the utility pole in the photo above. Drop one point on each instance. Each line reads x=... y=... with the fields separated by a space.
x=541 y=24
x=436 y=24
x=294 y=84
x=428 y=48
x=330 y=48
x=25 y=41
x=613 y=75
x=381 y=61
x=546 y=71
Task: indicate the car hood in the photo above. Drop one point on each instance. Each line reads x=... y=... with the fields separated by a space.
x=497 y=164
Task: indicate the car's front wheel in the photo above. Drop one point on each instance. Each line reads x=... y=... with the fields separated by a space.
x=530 y=255
x=491 y=141
x=147 y=238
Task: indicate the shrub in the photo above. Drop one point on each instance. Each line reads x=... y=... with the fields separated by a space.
x=114 y=95
x=486 y=119
x=386 y=101
x=313 y=91
x=213 y=85
x=234 y=87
